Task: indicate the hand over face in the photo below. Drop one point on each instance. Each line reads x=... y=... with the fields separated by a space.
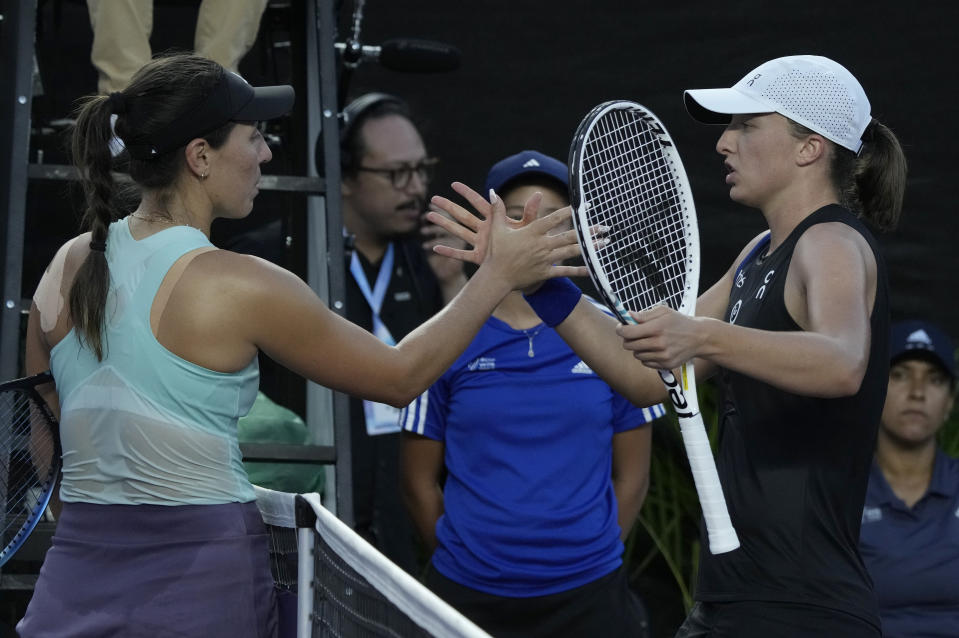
x=521 y=251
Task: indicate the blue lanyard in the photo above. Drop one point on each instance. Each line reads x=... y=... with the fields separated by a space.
x=375 y=297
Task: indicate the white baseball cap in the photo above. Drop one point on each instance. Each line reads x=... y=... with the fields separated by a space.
x=809 y=89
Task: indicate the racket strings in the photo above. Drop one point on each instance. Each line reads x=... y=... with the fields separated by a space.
x=650 y=242
x=27 y=453
x=632 y=190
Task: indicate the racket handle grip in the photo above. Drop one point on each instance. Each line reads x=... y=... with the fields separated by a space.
x=719 y=527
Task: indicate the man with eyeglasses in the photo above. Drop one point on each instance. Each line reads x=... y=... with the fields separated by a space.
x=394 y=283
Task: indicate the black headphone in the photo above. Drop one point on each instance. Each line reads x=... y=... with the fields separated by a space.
x=350 y=119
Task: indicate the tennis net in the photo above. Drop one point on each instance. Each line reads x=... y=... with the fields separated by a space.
x=343 y=586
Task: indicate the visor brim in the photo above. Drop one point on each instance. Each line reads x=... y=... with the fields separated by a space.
x=268 y=103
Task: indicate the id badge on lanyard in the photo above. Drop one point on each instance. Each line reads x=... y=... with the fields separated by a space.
x=380 y=417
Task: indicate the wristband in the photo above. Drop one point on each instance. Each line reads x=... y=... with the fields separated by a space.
x=554 y=300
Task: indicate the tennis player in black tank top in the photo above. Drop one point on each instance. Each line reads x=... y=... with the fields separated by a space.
x=797 y=333
x=794 y=468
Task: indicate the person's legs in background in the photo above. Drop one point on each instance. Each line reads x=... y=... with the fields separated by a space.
x=121 y=40
x=226 y=29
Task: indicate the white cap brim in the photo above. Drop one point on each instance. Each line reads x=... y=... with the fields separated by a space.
x=717 y=106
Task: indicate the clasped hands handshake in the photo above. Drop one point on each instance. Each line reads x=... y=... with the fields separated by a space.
x=529 y=250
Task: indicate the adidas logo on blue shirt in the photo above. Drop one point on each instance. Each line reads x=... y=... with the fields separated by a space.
x=581 y=368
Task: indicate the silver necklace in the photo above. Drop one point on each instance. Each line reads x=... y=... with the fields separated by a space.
x=530 y=336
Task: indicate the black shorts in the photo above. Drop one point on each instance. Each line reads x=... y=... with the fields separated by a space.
x=759 y=619
x=606 y=607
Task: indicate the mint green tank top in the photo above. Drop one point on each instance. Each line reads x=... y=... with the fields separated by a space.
x=145 y=426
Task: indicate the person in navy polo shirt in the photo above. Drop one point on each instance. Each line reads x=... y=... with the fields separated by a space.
x=910 y=522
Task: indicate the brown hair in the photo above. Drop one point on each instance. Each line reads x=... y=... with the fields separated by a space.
x=158 y=93
x=873 y=183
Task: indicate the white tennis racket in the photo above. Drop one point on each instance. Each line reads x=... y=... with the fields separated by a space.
x=626 y=176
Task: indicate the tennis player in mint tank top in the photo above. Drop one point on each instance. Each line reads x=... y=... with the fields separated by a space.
x=796 y=332
x=153 y=334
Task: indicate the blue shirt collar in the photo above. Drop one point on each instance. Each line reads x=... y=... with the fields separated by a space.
x=945 y=475
x=944 y=483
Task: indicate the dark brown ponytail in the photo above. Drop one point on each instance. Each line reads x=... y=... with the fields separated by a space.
x=872 y=184
x=92 y=156
x=875 y=183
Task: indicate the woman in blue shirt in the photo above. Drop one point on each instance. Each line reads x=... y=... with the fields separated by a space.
x=910 y=522
x=546 y=466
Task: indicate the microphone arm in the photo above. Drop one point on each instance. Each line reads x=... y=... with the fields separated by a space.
x=351 y=53
x=405 y=55
x=352 y=50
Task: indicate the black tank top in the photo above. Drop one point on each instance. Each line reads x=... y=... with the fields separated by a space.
x=794 y=469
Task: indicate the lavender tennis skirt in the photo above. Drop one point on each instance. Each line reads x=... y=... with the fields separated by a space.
x=160 y=571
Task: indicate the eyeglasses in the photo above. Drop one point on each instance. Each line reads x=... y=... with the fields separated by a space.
x=400 y=177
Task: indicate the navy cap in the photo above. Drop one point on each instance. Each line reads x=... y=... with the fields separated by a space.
x=525 y=163
x=916 y=339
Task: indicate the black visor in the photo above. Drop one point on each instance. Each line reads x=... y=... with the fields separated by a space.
x=232 y=99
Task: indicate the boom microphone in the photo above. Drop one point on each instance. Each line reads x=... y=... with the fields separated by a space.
x=405 y=55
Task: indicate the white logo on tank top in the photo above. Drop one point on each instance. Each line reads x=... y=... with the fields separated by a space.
x=762 y=289
x=735 y=311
